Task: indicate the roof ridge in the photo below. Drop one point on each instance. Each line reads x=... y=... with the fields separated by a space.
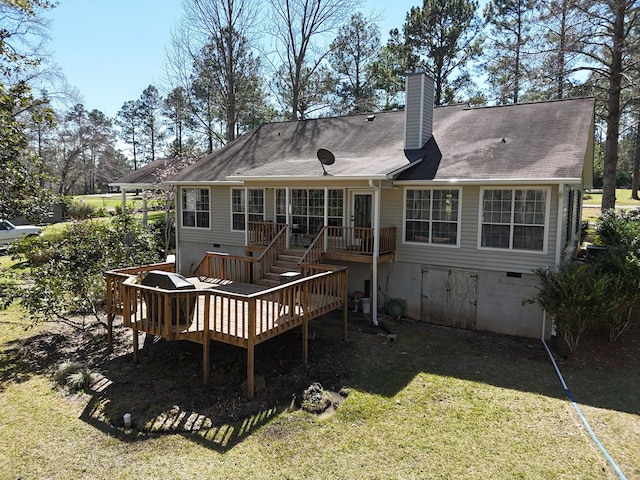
x=537 y=102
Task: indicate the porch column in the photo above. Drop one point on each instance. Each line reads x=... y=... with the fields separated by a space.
x=144 y=208
x=376 y=254
x=123 y=196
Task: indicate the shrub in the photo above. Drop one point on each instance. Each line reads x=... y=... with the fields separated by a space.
x=65 y=277
x=77 y=210
x=619 y=228
x=573 y=296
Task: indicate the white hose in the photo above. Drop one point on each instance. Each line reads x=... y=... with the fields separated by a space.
x=577 y=407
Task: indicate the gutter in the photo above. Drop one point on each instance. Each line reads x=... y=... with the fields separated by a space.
x=310 y=178
x=492 y=181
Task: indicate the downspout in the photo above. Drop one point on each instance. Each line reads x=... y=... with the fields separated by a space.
x=287 y=200
x=376 y=252
x=246 y=216
x=576 y=406
x=559 y=223
x=177 y=207
x=326 y=217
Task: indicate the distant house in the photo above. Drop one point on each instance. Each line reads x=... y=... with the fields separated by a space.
x=447 y=210
x=150 y=177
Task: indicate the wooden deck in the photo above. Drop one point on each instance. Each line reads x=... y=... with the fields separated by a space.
x=225 y=310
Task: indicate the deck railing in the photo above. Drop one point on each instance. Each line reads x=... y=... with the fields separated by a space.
x=359 y=240
x=270 y=254
x=230 y=267
x=261 y=233
x=313 y=254
x=207 y=313
x=115 y=290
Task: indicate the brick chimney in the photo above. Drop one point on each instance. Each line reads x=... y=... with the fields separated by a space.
x=418 y=110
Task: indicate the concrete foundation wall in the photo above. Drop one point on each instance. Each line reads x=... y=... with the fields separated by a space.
x=499 y=297
x=191 y=253
x=500 y=307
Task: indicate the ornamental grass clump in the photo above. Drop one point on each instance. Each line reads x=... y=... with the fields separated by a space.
x=75 y=376
x=315 y=399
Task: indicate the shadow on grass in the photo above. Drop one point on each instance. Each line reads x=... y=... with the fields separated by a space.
x=601 y=374
x=165 y=395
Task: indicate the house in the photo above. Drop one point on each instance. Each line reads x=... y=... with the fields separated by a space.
x=150 y=177
x=445 y=210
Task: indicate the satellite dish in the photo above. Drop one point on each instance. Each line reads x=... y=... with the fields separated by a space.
x=326 y=158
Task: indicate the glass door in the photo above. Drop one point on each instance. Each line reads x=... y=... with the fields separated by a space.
x=361 y=236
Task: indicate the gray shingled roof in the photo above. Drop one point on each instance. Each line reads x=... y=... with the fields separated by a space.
x=546 y=140
x=153 y=173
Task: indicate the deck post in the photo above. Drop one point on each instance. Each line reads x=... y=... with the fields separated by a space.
x=345 y=307
x=110 y=331
x=305 y=341
x=135 y=345
x=305 y=310
x=251 y=340
x=206 y=340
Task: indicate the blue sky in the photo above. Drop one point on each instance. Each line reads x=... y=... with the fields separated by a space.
x=111 y=50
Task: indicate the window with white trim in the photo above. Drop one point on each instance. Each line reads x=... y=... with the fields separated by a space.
x=195 y=207
x=307 y=208
x=514 y=219
x=255 y=213
x=432 y=216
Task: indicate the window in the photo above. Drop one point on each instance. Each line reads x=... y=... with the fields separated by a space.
x=431 y=216
x=307 y=208
x=238 y=210
x=195 y=207
x=514 y=219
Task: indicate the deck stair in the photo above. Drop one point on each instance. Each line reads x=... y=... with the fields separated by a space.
x=287 y=261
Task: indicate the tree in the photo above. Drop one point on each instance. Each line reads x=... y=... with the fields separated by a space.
x=151 y=133
x=442 y=37
x=562 y=24
x=635 y=185
x=353 y=53
x=66 y=274
x=296 y=25
x=389 y=70
x=212 y=58
x=508 y=60
x=176 y=108
x=610 y=53
x=130 y=122
x=21 y=170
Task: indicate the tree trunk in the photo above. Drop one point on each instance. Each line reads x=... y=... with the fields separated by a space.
x=636 y=163
x=613 y=109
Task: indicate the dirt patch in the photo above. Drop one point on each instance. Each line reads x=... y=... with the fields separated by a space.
x=164 y=391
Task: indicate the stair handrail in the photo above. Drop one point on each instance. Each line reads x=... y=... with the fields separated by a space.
x=313 y=253
x=265 y=261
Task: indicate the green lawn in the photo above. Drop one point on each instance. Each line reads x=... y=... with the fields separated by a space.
x=436 y=403
x=623 y=198
x=110 y=200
